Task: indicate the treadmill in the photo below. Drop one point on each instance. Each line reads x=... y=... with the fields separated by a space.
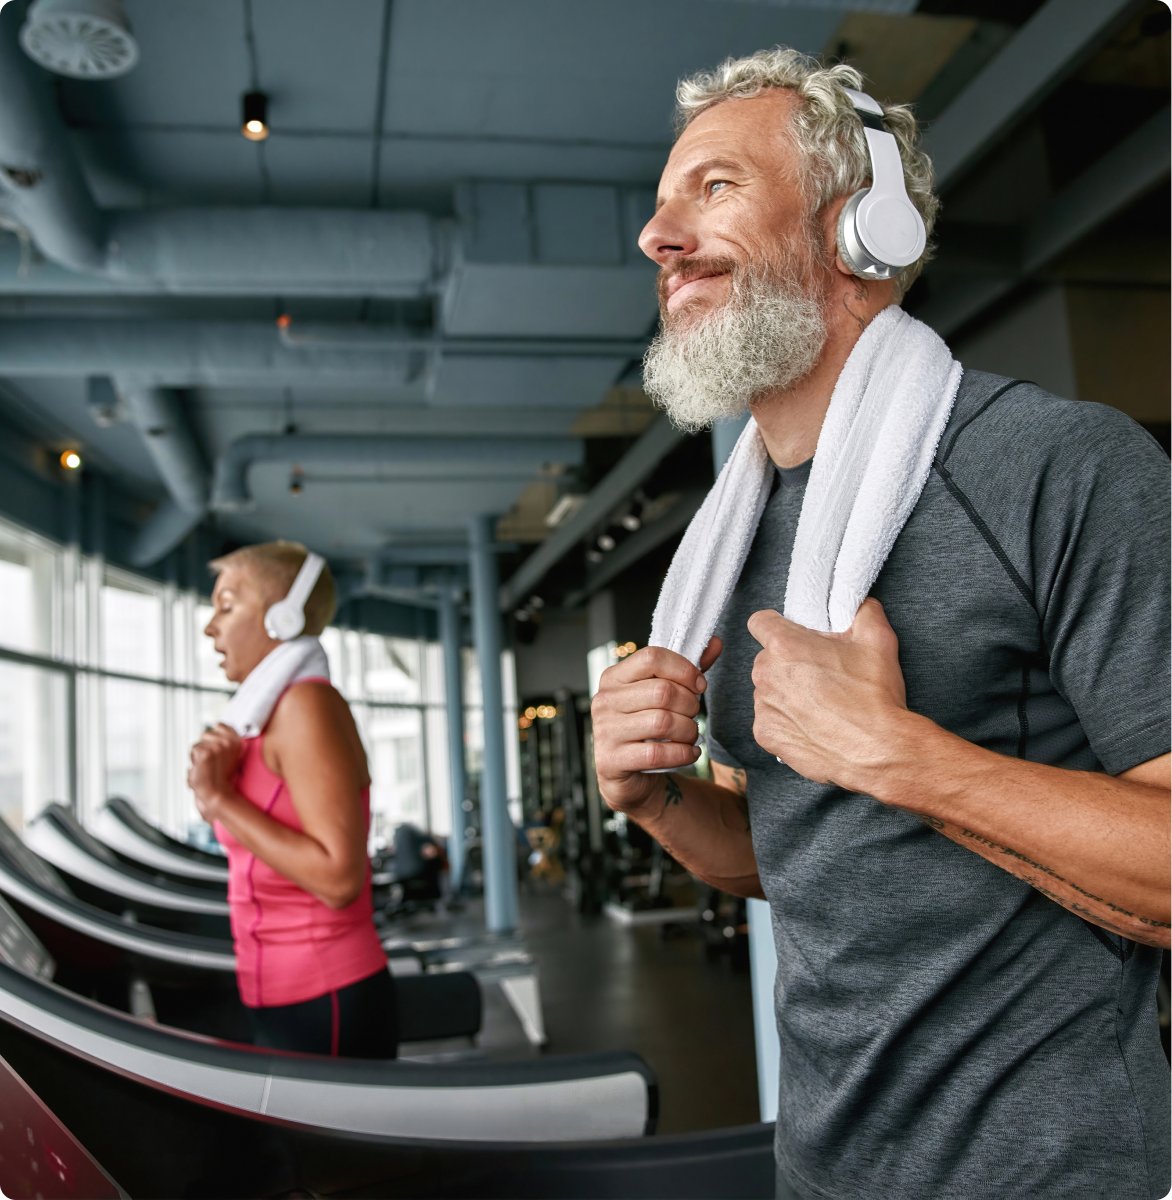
x=169 y=1114
x=122 y=829
x=186 y=980
x=95 y=874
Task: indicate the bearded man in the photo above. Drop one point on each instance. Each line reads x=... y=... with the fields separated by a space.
x=956 y=800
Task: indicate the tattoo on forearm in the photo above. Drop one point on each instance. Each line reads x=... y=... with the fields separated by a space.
x=960 y=834
x=675 y=793
x=740 y=782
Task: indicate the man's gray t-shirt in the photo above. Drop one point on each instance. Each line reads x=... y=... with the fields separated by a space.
x=947 y=1031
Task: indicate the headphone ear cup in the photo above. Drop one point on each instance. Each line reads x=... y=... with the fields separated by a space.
x=284 y=621
x=850 y=248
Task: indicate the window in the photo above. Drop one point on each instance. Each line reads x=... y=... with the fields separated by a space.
x=106 y=679
x=36 y=749
x=132 y=626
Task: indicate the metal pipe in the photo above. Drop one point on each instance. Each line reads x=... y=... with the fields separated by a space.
x=413 y=457
x=185 y=353
x=41 y=183
x=496 y=829
x=159 y=417
x=217 y=251
x=449 y=628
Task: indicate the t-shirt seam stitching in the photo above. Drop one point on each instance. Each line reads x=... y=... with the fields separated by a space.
x=1006 y=387
x=1135 y=1104
x=987 y=535
x=1147 y=727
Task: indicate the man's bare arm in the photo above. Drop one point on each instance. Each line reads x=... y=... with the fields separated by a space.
x=644 y=723
x=1096 y=844
x=833 y=707
x=704 y=826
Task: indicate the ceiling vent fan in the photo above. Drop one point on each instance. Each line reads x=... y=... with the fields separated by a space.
x=84 y=39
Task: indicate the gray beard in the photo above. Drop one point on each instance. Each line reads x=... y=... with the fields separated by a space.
x=765 y=338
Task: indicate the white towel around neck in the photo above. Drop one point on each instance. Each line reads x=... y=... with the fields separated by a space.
x=886 y=417
x=253 y=702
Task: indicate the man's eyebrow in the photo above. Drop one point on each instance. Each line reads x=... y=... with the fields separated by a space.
x=702 y=167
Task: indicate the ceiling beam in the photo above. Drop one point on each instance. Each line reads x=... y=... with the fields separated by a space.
x=639 y=461
x=1052 y=44
x=639 y=545
x=1124 y=174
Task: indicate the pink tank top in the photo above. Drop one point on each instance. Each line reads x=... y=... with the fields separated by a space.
x=290 y=946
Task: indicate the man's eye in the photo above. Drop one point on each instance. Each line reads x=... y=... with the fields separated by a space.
x=714 y=185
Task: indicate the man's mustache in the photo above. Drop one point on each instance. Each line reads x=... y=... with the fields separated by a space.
x=685 y=269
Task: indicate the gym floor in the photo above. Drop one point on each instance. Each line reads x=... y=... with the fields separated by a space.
x=610 y=986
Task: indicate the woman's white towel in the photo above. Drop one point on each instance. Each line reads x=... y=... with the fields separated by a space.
x=252 y=704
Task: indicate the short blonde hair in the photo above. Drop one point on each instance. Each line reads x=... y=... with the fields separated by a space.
x=275 y=565
x=826 y=129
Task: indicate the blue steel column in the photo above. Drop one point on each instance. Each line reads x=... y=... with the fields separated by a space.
x=500 y=873
x=762 y=951
x=449 y=623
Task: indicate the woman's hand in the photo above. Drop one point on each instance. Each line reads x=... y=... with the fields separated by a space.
x=214 y=759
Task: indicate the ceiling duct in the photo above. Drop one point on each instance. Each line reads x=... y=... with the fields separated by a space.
x=158 y=416
x=415 y=458
x=85 y=39
x=188 y=353
x=222 y=251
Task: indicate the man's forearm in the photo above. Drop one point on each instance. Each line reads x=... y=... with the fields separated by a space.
x=705 y=828
x=1095 y=844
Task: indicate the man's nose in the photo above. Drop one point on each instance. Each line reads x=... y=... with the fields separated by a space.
x=667 y=235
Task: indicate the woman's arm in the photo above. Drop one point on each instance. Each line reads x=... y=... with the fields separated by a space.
x=311 y=742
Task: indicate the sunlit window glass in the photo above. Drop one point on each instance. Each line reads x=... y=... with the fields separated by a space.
x=132 y=628
x=134 y=743
x=392 y=669
x=34 y=752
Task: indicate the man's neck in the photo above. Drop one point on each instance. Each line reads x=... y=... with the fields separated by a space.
x=790 y=420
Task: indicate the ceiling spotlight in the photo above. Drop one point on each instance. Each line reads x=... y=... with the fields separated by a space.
x=70 y=460
x=536 y=603
x=254 y=120
x=631 y=521
x=521 y=614
x=593 y=556
x=606 y=542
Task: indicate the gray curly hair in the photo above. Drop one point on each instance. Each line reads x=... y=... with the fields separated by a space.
x=826 y=129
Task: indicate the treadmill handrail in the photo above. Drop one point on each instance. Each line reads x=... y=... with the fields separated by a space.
x=578 y=1097
x=121 y=838
x=186 y=949
x=133 y=819
x=49 y=840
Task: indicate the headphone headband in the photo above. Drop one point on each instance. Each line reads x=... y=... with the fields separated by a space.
x=880 y=230
x=286 y=619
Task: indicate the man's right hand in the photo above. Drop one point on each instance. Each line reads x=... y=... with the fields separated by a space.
x=644 y=718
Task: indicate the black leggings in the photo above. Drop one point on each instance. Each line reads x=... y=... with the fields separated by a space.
x=356 y=1021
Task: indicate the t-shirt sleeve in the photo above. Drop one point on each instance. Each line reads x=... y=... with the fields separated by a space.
x=1100 y=557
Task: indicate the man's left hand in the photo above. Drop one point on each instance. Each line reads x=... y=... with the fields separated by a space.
x=826 y=703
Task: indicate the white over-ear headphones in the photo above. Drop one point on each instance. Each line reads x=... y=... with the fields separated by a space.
x=880 y=231
x=286 y=619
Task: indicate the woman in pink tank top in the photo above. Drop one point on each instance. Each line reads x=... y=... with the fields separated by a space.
x=292 y=808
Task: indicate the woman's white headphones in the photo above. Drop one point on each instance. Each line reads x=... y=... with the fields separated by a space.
x=286 y=619
x=880 y=231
